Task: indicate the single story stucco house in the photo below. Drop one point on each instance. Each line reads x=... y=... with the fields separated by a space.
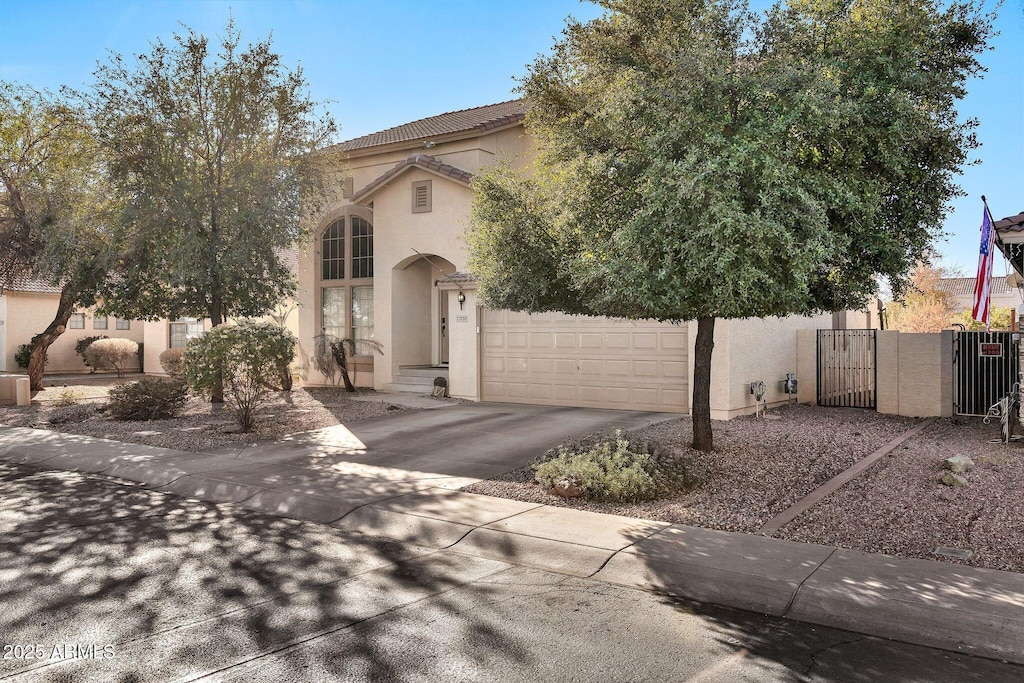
x=388 y=263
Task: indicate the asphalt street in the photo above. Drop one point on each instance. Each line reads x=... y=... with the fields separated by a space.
x=104 y=581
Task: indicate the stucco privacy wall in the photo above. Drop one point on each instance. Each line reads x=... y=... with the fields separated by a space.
x=914 y=372
x=29 y=313
x=750 y=350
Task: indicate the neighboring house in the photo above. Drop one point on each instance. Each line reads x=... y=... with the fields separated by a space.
x=1003 y=295
x=388 y=264
x=28 y=307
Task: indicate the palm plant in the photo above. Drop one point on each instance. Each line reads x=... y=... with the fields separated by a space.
x=331 y=354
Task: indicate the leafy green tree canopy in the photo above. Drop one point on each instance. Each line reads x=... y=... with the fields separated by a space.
x=697 y=160
x=53 y=205
x=214 y=158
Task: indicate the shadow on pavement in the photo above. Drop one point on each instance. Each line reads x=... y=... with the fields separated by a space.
x=180 y=587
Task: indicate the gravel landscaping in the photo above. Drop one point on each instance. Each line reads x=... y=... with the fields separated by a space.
x=761 y=467
x=201 y=426
x=899 y=506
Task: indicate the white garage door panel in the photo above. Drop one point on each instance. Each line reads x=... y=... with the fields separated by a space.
x=558 y=359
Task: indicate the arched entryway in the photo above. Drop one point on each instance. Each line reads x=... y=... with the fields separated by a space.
x=419 y=324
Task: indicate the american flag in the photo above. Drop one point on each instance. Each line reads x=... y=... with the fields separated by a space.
x=983 y=282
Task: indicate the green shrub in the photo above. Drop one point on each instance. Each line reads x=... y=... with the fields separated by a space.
x=170 y=361
x=112 y=354
x=148 y=399
x=24 y=352
x=251 y=358
x=83 y=344
x=612 y=470
x=66 y=397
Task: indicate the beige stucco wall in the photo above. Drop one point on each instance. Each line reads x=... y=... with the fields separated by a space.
x=925 y=374
x=4 y=367
x=29 y=313
x=464 y=372
x=750 y=350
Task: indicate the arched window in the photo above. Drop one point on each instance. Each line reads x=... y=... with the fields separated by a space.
x=346 y=295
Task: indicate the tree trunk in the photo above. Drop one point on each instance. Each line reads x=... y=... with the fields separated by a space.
x=701 y=408
x=217 y=393
x=37 y=361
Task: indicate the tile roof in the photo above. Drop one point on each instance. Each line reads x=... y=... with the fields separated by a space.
x=22 y=283
x=421 y=160
x=964 y=286
x=459 y=277
x=480 y=119
x=1011 y=223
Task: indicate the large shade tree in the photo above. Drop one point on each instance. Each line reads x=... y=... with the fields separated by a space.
x=53 y=206
x=700 y=161
x=214 y=157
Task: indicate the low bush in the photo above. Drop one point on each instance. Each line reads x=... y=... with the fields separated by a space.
x=148 y=399
x=170 y=361
x=250 y=358
x=612 y=470
x=119 y=355
x=66 y=397
x=82 y=344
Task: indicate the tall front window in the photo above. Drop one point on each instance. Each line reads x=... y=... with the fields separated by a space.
x=184 y=329
x=346 y=277
x=333 y=311
x=362 y=314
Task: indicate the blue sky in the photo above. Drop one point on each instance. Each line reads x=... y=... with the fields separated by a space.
x=386 y=62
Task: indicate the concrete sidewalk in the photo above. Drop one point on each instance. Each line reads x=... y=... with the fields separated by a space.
x=371 y=484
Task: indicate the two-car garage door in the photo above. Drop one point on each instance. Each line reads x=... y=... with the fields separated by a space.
x=558 y=359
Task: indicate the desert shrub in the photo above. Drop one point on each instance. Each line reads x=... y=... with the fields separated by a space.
x=612 y=469
x=71 y=414
x=24 y=352
x=170 y=361
x=250 y=358
x=112 y=354
x=82 y=344
x=66 y=397
x=150 y=398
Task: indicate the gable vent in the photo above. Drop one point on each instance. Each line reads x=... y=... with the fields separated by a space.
x=421 y=199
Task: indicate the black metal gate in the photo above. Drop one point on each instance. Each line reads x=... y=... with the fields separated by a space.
x=985 y=368
x=846 y=368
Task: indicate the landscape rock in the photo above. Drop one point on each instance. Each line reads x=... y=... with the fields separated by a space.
x=955 y=480
x=959 y=464
x=566 y=489
x=947 y=495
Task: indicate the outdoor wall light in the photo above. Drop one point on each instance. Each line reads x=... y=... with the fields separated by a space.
x=461 y=299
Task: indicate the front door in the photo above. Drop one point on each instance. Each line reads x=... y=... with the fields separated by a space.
x=444 y=327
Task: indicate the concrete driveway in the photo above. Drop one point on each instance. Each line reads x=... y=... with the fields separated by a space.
x=324 y=475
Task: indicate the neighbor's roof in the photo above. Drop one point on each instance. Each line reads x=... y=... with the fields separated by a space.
x=481 y=119
x=964 y=286
x=1011 y=223
x=22 y=283
x=423 y=161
